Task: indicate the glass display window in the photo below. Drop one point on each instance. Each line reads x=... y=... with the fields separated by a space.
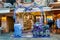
x=26 y=20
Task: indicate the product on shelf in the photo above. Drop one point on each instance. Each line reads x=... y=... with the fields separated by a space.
x=27 y=22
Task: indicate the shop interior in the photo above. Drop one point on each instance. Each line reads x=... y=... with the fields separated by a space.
x=53 y=15
x=27 y=19
x=8 y=22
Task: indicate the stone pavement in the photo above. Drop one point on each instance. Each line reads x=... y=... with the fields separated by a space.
x=9 y=37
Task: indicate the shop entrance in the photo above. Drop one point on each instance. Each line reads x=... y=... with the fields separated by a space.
x=7 y=23
x=26 y=20
x=10 y=22
x=50 y=21
x=0 y=22
x=54 y=16
x=57 y=23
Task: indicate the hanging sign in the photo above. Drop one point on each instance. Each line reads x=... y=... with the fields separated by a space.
x=47 y=8
x=20 y=10
x=35 y=9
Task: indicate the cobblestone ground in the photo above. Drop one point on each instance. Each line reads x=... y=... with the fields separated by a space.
x=9 y=37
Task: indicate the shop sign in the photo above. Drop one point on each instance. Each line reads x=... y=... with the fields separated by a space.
x=35 y=9
x=20 y=10
x=4 y=10
x=46 y=8
x=43 y=9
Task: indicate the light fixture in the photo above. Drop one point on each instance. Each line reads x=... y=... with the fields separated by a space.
x=58 y=0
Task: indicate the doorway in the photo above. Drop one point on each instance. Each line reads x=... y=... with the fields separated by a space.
x=0 y=22
x=10 y=22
